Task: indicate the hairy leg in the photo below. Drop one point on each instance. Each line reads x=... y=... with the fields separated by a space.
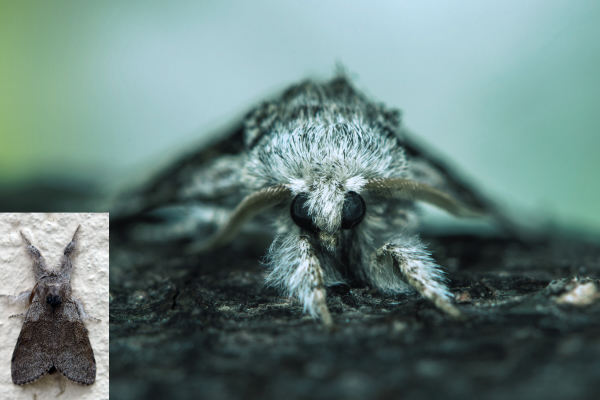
x=295 y=268
x=82 y=314
x=21 y=300
x=410 y=262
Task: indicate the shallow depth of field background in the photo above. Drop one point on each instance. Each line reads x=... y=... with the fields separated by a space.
x=509 y=90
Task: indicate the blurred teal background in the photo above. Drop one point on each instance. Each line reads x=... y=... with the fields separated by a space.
x=508 y=90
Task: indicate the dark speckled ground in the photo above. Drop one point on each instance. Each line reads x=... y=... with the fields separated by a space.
x=187 y=327
x=184 y=327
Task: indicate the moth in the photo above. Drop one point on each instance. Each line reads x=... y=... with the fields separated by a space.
x=53 y=336
x=333 y=175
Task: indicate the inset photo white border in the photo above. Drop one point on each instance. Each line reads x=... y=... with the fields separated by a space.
x=50 y=233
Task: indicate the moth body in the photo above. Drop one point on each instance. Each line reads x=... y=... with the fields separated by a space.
x=335 y=176
x=53 y=336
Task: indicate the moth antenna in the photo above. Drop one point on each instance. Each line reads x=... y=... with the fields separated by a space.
x=251 y=206
x=76 y=233
x=25 y=238
x=406 y=189
x=39 y=264
x=66 y=262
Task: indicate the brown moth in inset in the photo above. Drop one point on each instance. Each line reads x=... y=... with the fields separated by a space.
x=53 y=336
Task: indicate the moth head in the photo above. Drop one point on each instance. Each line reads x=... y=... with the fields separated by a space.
x=53 y=299
x=326 y=209
x=52 y=290
x=53 y=294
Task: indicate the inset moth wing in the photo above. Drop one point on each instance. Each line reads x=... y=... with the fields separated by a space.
x=32 y=357
x=207 y=174
x=71 y=349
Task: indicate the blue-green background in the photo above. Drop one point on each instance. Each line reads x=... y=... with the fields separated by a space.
x=509 y=90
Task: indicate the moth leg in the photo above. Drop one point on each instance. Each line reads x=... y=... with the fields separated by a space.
x=82 y=314
x=295 y=268
x=23 y=299
x=414 y=266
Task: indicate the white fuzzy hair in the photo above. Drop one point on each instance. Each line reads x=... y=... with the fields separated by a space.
x=325 y=140
x=325 y=160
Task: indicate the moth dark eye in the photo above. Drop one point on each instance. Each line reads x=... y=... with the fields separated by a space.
x=353 y=211
x=53 y=300
x=300 y=214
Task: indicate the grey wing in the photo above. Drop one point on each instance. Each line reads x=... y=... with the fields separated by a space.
x=189 y=199
x=72 y=352
x=428 y=168
x=207 y=174
x=32 y=357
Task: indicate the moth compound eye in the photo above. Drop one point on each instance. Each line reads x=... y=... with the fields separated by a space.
x=299 y=211
x=53 y=300
x=353 y=211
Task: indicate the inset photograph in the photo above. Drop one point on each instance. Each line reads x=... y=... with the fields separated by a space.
x=54 y=337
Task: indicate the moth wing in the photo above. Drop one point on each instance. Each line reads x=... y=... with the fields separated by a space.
x=207 y=174
x=72 y=352
x=428 y=168
x=32 y=357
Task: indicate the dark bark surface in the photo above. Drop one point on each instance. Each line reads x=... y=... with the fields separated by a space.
x=206 y=327
x=191 y=327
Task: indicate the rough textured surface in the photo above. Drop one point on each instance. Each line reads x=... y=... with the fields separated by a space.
x=50 y=233
x=206 y=327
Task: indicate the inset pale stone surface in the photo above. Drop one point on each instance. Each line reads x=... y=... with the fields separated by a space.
x=50 y=233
